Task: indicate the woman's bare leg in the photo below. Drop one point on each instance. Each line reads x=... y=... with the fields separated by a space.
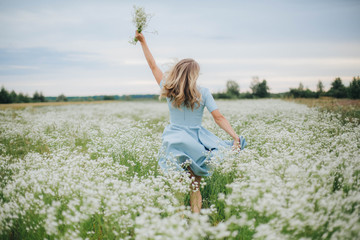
x=195 y=194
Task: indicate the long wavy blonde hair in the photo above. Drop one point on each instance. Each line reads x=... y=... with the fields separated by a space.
x=180 y=84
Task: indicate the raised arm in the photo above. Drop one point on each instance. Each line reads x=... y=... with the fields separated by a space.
x=149 y=58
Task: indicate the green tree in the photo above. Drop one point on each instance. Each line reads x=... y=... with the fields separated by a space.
x=61 y=98
x=108 y=97
x=354 y=88
x=337 y=90
x=320 y=87
x=36 y=97
x=259 y=89
x=263 y=89
x=254 y=84
x=232 y=89
x=23 y=98
x=4 y=96
x=301 y=87
x=42 y=97
x=13 y=97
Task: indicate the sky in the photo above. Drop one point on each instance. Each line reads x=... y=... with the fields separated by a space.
x=81 y=48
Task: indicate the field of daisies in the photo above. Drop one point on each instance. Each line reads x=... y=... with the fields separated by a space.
x=90 y=171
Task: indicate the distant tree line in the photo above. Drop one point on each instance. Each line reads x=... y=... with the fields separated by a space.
x=337 y=90
x=259 y=89
x=13 y=97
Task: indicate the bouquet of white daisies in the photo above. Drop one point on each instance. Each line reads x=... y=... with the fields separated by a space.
x=141 y=21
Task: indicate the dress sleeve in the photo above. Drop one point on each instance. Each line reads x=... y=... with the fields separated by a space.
x=209 y=101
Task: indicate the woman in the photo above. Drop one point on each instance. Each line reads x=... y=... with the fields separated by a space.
x=186 y=144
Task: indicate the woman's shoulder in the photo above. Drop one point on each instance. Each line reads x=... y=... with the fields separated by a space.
x=204 y=90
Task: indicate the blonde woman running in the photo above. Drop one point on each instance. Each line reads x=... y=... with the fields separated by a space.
x=185 y=142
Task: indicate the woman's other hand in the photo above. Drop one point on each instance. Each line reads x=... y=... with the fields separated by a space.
x=236 y=145
x=139 y=36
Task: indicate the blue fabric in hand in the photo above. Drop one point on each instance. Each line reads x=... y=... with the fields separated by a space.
x=243 y=143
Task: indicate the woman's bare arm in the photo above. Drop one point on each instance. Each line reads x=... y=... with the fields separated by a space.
x=225 y=125
x=149 y=58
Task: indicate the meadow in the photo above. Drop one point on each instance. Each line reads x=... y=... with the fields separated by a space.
x=89 y=171
x=349 y=109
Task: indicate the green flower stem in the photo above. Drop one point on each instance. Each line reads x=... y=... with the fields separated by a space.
x=139 y=31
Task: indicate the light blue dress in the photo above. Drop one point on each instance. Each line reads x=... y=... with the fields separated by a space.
x=186 y=143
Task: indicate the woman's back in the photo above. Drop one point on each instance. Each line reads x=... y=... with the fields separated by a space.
x=187 y=117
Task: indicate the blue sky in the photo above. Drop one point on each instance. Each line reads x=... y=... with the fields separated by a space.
x=81 y=47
